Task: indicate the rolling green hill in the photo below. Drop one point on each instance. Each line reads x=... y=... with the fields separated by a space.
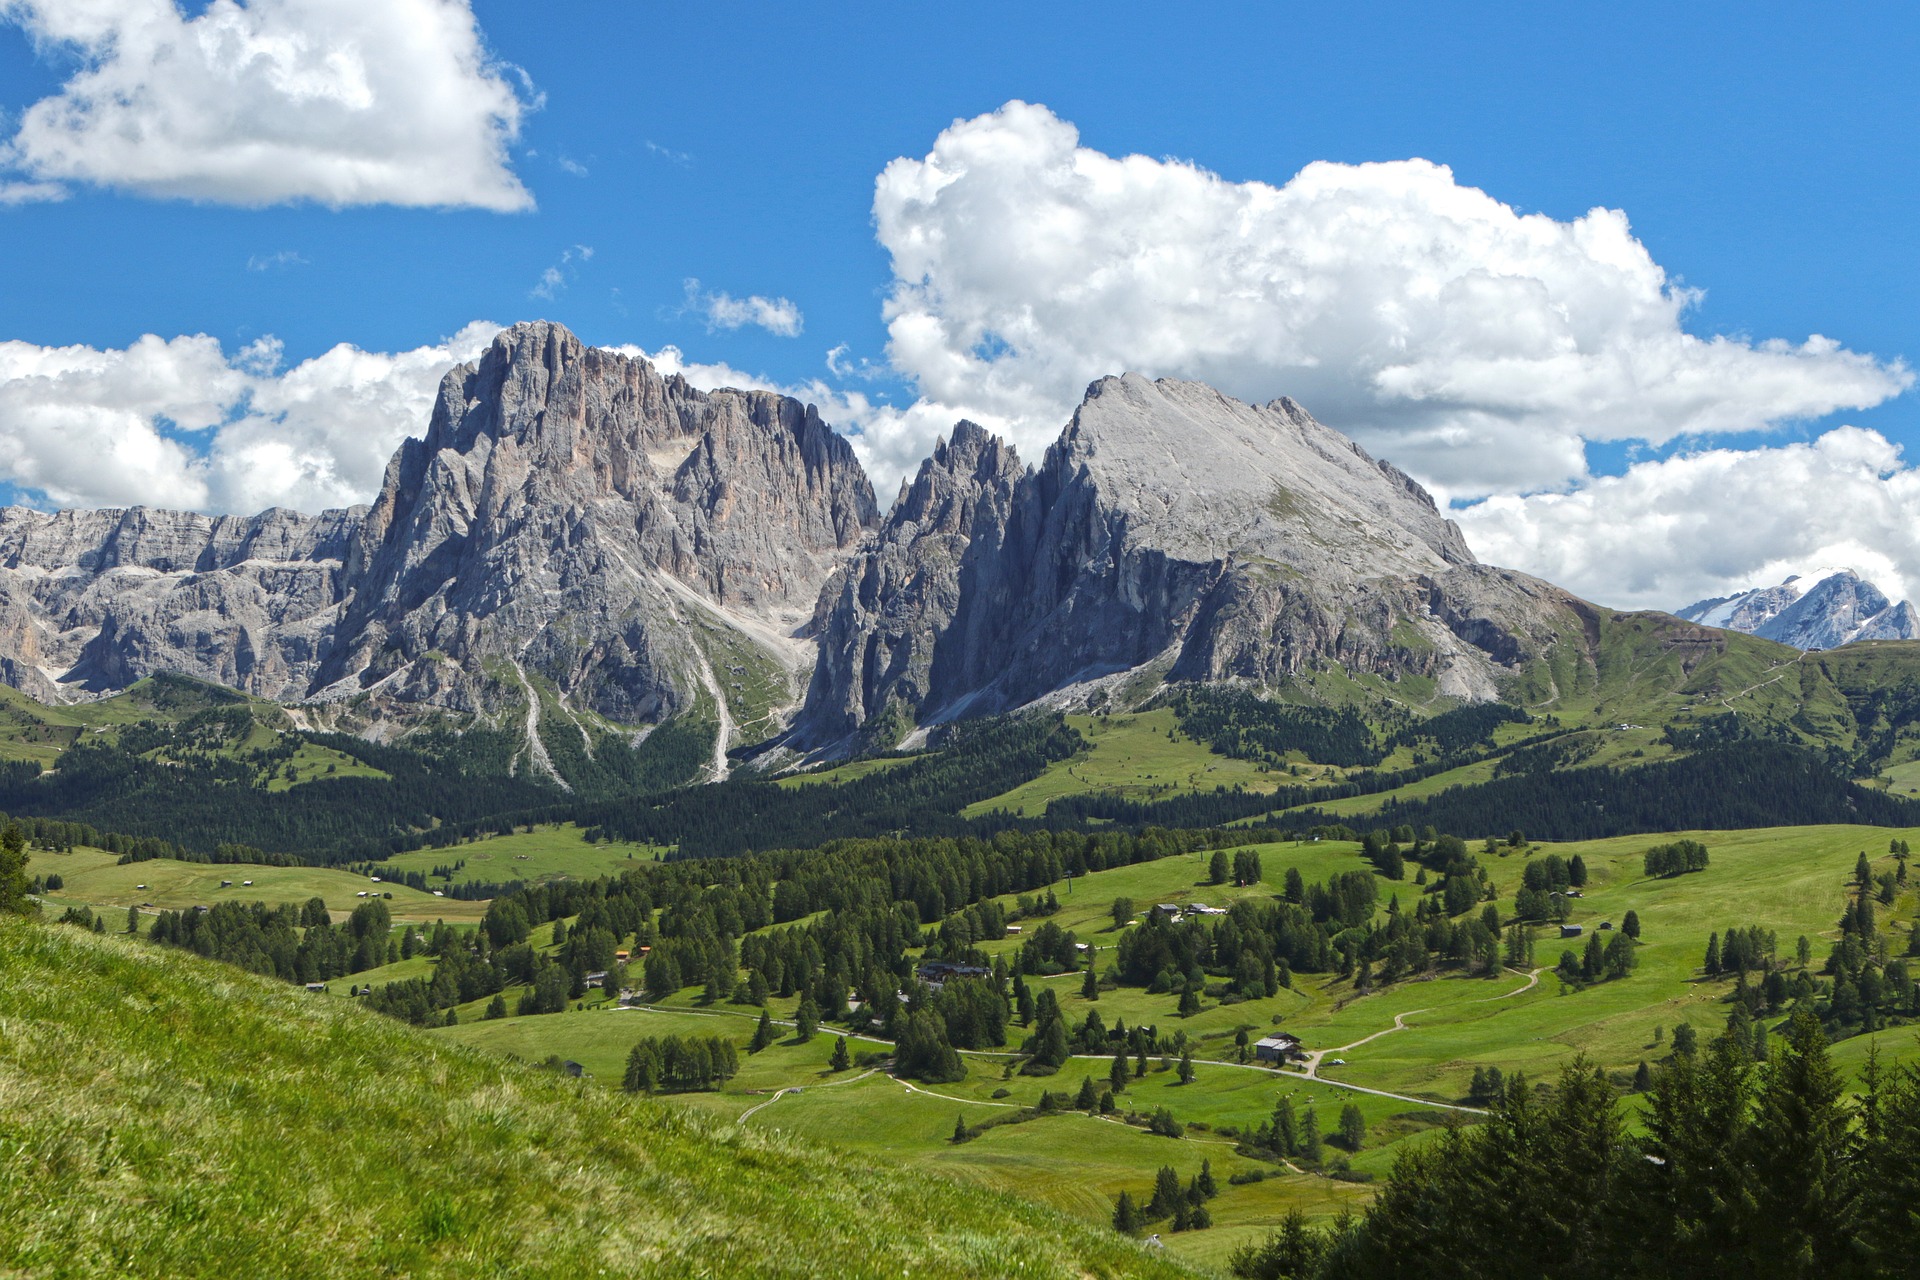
x=167 y=1116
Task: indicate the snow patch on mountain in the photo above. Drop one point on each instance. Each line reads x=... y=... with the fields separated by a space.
x=1819 y=610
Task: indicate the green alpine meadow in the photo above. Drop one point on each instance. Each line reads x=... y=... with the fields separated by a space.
x=1249 y=642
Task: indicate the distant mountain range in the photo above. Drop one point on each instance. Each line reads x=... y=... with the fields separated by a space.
x=1820 y=610
x=579 y=551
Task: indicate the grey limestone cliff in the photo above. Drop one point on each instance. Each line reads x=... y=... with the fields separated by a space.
x=1171 y=533
x=91 y=601
x=573 y=513
x=572 y=518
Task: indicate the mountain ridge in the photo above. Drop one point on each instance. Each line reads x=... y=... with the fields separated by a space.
x=572 y=519
x=1820 y=610
x=580 y=549
x=1171 y=533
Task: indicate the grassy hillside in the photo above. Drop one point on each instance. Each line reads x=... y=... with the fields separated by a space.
x=30 y=730
x=1142 y=756
x=167 y=1116
x=94 y=878
x=548 y=851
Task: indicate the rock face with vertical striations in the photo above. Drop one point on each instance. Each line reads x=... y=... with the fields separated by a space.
x=574 y=514
x=572 y=518
x=1171 y=533
x=91 y=601
x=578 y=536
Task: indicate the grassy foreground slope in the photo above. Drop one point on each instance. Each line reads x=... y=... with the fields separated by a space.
x=161 y=1115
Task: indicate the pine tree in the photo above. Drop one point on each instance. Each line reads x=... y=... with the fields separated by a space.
x=1642 y=1078
x=1186 y=1066
x=764 y=1034
x=1290 y=1253
x=1189 y=1003
x=1087 y=1099
x=1309 y=1146
x=1126 y=1218
x=1712 y=963
x=497 y=1007
x=1630 y=925
x=1167 y=1193
x=1217 y=867
x=1805 y=1189
x=1090 y=987
x=959 y=1130
x=1353 y=1127
x=1117 y=1074
x=1208 y=1187
x=133 y=920
x=1593 y=959
x=840 y=1060
x=806 y=1019
x=1285 y=1128
x=13 y=871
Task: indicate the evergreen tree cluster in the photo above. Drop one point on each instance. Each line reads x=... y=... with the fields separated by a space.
x=1742 y=1168
x=924 y=794
x=203 y=801
x=293 y=942
x=1183 y=1208
x=1243 y=725
x=1676 y=859
x=1867 y=987
x=675 y=1064
x=1751 y=784
x=1598 y=961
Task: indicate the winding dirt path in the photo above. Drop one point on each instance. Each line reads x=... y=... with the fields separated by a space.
x=1533 y=980
x=1000 y=1055
x=781 y=1093
x=1727 y=701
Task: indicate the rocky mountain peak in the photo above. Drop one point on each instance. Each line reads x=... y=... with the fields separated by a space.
x=571 y=520
x=571 y=510
x=1171 y=532
x=1819 y=610
x=1202 y=473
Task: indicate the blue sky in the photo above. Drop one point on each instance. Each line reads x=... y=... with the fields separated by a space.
x=1762 y=153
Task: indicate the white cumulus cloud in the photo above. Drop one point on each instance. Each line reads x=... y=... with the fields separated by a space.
x=722 y=310
x=181 y=423
x=1708 y=523
x=339 y=102
x=1476 y=346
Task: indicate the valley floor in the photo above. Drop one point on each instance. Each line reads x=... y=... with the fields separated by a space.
x=1404 y=1053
